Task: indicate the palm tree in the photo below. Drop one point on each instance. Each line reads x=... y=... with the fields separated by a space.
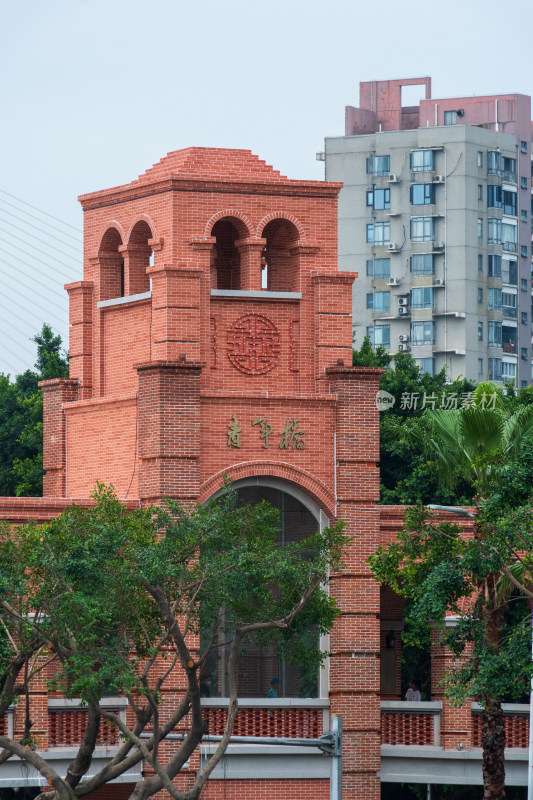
x=470 y=443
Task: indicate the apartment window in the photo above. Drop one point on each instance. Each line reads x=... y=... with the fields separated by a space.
x=495 y=334
x=509 y=304
x=509 y=338
x=523 y=215
x=378 y=165
x=523 y=183
x=523 y=384
x=480 y=191
x=509 y=237
x=493 y=162
x=495 y=369
x=494 y=229
x=450 y=117
x=494 y=196
x=422 y=194
x=480 y=158
x=523 y=284
x=378 y=301
x=480 y=367
x=523 y=353
x=480 y=295
x=379 y=335
x=378 y=268
x=480 y=262
x=494 y=299
x=422 y=229
x=508 y=371
x=510 y=272
x=379 y=199
x=509 y=202
x=422 y=297
x=422 y=161
x=479 y=227
x=523 y=147
x=523 y=317
x=426 y=365
x=508 y=167
x=480 y=331
x=423 y=264
x=523 y=250
x=422 y=333
x=378 y=232
x=495 y=267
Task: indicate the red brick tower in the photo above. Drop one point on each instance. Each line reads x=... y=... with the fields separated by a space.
x=211 y=336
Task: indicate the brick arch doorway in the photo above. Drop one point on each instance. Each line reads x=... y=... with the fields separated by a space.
x=300 y=517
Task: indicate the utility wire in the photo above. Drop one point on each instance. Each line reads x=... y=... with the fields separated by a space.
x=76 y=247
x=38 y=249
x=21 y=210
x=18 y=199
x=46 y=264
x=28 y=307
x=31 y=266
x=11 y=227
x=31 y=277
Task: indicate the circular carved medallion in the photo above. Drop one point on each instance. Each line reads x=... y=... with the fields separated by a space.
x=253 y=344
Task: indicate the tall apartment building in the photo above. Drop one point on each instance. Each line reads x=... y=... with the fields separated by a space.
x=435 y=217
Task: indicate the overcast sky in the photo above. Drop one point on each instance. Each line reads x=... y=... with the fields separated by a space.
x=95 y=91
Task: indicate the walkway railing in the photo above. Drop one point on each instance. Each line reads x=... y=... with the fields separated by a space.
x=515 y=724
x=410 y=723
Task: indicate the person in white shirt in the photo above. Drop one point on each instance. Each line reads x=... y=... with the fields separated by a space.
x=413 y=692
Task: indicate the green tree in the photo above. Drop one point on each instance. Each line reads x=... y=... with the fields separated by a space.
x=408 y=473
x=441 y=571
x=21 y=418
x=103 y=583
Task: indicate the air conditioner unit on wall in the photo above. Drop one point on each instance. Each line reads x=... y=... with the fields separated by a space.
x=393 y=282
x=402 y=310
x=393 y=247
x=439 y=179
x=393 y=178
x=438 y=245
x=439 y=282
x=403 y=337
x=402 y=301
x=403 y=347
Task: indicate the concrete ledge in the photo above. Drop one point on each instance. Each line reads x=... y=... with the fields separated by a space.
x=245 y=294
x=416 y=764
x=120 y=301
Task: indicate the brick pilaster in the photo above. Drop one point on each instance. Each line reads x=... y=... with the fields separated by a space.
x=355 y=639
x=55 y=393
x=81 y=335
x=176 y=318
x=169 y=430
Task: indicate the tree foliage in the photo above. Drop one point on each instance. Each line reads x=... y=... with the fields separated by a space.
x=481 y=578
x=115 y=598
x=21 y=418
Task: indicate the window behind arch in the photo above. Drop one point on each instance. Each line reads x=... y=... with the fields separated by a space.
x=111 y=265
x=258 y=666
x=279 y=264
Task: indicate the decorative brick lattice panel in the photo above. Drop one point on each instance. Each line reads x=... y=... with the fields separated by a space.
x=3 y=726
x=303 y=723
x=66 y=728
x=398 y=728
x=516 y=730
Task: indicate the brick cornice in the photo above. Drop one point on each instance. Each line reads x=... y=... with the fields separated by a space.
x=122 y=194
x=170 y=365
